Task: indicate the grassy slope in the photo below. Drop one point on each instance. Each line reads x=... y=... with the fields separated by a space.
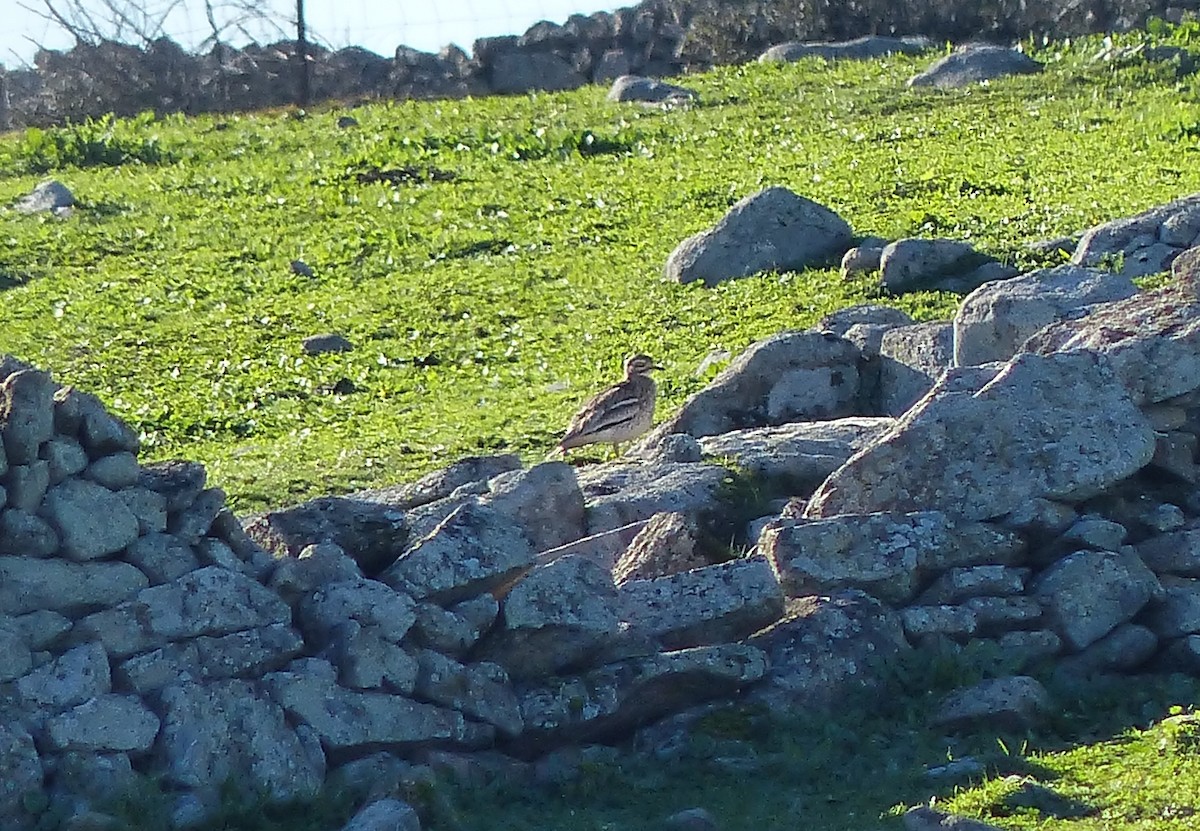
x=524 y=280
x=486 y=307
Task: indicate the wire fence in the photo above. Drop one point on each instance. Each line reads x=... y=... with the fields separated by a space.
x=378 y=25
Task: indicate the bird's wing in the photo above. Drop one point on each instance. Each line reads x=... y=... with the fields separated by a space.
x=617 y=405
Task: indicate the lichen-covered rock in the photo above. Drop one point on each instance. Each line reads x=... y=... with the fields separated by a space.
x=481 y=691
x=194 y=521
x=797 y=456
x=621 y=494
x=21 y=772
x=544 y=502
x=245 y=654
x=372 y=533
x=1123 y=649
x=162 y=557
x=911 y=359
x=1177 y=552
x=367 y=660
x=958 y=584
x=450 y=633
x=177 y=481
x=385 y=815
x=103 y=724
x=1089 y=593
x=295 y=578
x=28 y=584
x=473 y=550
x=72 y=678
x=368 y=602
x=114 y=471
x=825 y=647
x=1015 y=703
x=559 y=616
x=82 y=416
x=349 y=720
x=920 y=622
x=1176 y=612
x=15 y=655
x=91 y=520
x=26 y=535
x=665 y=545
x=1151 y=341
x=994 y=320
x=226 y=732
x=1053 y=426
x=441 y=483
x=885 y=554
x=211 y=601
x=65 y=457
x=715 y=604
x=614 y=699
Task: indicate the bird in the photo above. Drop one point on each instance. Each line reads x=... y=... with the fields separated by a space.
x=620 y=413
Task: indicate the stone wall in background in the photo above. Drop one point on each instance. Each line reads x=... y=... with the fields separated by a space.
x=656 y=38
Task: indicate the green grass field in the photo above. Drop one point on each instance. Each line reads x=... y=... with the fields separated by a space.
x=519 y=257
x=500 y=279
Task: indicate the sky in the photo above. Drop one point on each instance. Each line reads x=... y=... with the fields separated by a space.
x=378 y=25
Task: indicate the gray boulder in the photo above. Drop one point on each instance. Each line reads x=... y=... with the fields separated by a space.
x=973 y=63
x=28 y=585
x=793 y=376
x=441 y=483
x=1014 y=703
x=1052 y=426
x=385 y=815
x=1151 y=341
x=367 y=602
x=227 y=732
x=474 y=550
x=863 y=48
x=372 y=533
x=911 y=360
x=800 y=455
x=618 y=495
x=245 y=654
x=649 y=90
x=481 y=691
x=21 y=772
x=1145 y=243
x=715 y=604
x=79 y=674
x=559 y=616
x=665 y=545
x=26 y=414
x=888 y=555
x=614 y=699
x=1123 y=649
x=772 y=230
x=994 y=320
x=916 y=264
x=348 y=720
x=211 y=601
x=52 y=196
x=91 y=520
x=825 y=647
x=103 y=724
x=1176 y=612
x=1089 y=593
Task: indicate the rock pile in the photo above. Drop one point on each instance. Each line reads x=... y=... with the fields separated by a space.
x=1035 y=497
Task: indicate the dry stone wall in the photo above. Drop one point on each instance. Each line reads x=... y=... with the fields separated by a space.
x=1041 y=508
x=654 y=38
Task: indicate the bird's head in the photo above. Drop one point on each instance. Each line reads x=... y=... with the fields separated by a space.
x=639 y=365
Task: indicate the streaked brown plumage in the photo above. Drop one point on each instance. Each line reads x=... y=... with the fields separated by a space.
x=620 y=413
